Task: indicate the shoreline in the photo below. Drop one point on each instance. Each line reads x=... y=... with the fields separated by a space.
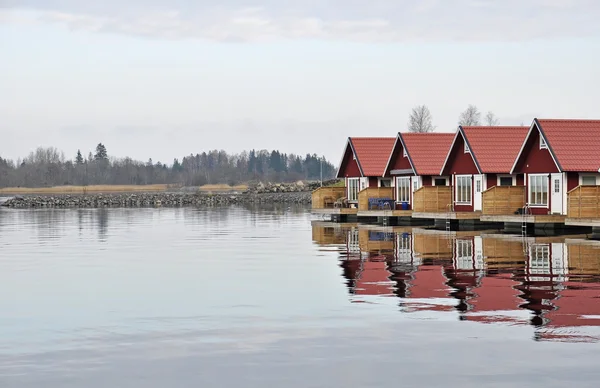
x=151 y=199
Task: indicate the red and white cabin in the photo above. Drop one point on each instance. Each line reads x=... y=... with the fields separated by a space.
x=415 y=161
x=480 y=158
x=363 y=164
x=556 y=157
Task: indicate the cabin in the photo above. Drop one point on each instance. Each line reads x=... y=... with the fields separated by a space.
x=560 y=160
x=479 y=159
x=363 y=166
x=415 y=162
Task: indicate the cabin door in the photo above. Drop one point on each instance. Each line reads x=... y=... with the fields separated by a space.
x=477 y=189
x=556 y=199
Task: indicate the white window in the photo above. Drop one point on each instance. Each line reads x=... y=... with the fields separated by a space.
x=504 y=180
x=538 y=190
x=404 y=153
x=464 y=189
x=403 y=189
x=588 y=180
x=440 y=182
x=385 y=183
x=464 y=254
x=543 y=144
x=539 y=261
x=353 y=189
x=467 y=149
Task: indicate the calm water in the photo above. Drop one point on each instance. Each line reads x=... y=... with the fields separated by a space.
x=252 y=298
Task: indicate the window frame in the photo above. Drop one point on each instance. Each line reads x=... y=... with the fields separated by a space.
x=543 y=143
x=530 y=186
x=348 y=192
x=445 y=178
x=391 y=180
x=512 y=177
x=403 y=189
x=582 y=176
x=467 y=148
x=459 y=193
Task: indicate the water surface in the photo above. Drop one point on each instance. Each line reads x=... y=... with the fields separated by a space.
x=264 y=297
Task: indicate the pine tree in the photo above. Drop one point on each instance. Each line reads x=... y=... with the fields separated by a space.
x=101 y=153
x=79 y=158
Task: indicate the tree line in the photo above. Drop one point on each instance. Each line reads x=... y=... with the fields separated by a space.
x=46 y=167
x=420 y=119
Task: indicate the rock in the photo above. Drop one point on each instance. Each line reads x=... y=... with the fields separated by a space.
x=155 y=199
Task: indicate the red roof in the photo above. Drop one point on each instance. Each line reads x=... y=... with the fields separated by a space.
x=427 y=151
x=495 y=148
x=372 y=153
x=574 y=143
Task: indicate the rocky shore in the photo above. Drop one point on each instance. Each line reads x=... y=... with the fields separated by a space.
x=152 y=199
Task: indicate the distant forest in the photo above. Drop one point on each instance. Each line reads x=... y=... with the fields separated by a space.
x=46 y=167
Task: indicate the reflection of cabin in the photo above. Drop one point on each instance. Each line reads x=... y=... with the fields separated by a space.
x=557 y=156
x=363 y=165
x=328 y=234
x=479 y=159
x=415 y=162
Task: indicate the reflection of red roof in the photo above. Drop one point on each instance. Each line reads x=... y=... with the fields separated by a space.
x=372 y=153
x=496 y=293
x=495 y=148
x=429 y=282
x=575 y=304
x=427 y=151
x=575 y=143
x=374 y=279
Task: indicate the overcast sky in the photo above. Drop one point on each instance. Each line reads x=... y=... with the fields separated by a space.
x=166 y=78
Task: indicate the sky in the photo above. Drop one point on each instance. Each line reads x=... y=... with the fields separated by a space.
x=162 y=79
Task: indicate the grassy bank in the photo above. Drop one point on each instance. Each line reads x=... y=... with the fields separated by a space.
x=108 y=189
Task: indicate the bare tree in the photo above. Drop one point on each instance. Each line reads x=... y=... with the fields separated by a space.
x=420 y=120
x=491 y=119
x=470 y=117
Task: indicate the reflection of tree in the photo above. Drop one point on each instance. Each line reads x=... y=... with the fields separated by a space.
x=102 y=223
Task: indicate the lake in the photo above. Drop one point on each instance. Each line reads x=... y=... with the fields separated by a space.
x=256 y=297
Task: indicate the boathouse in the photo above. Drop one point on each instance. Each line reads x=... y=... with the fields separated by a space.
x=363 y=165
x=480 y=159
x=560 y=160
x=415 y=162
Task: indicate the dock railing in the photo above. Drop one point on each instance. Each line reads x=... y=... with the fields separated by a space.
x=373 y=192
x=584 y=202
x=325 y=197
x=432 y=199
x=503 y=200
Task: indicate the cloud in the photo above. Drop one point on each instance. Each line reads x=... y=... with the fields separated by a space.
x=347 y=20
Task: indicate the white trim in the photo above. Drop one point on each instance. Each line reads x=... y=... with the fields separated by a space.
x=348 y=189
x=459 y=131
x=447 y=178
x=581 y=175
x=379 y=179
x=534 y=125
x=565 y=196
x=514 y=178
x=391 y=153
x=543 y=146
x=449 y=151
x=456 y=190
x=548 y=193
x=399 y=137
x=398 y=187
x=466 y=148
x=349 y=144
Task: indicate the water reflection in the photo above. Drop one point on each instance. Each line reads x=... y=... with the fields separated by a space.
x=551 y=284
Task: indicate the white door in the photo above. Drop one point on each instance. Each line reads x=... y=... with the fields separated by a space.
x=478 y=189
x=556 y=185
